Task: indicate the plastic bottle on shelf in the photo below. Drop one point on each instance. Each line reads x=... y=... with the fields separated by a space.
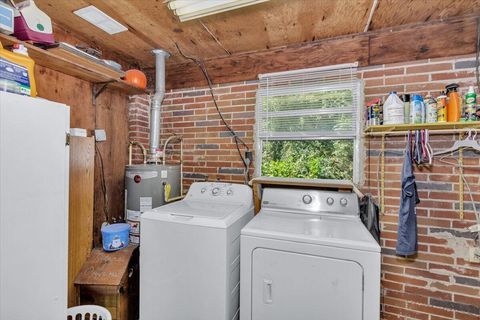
x=471 y=96
x=454 y=103
x=393 y=110
x=470 y=112
x=17 y=71
x=417 y=110
x=431 y=111
x=406 y=108
x=442 y=107
x=374 y=112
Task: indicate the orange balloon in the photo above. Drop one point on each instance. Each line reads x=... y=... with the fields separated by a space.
x=136 y=78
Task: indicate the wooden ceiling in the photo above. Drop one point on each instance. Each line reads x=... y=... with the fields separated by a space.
x=267 y=25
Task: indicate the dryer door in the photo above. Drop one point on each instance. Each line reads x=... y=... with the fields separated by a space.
x=288 y=286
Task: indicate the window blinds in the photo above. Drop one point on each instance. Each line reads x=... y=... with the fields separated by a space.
x=317 y=103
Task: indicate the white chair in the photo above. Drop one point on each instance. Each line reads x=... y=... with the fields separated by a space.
x=94 y=312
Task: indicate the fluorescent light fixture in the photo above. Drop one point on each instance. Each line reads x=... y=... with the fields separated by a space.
x=194 y=9
x=100 y=19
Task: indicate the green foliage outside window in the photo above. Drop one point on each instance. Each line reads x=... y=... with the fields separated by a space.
x=313 y=159
x=323 y=159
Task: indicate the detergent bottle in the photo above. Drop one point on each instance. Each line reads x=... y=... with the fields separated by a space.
x=470 y=112
x=17 y=71
x=454 y=103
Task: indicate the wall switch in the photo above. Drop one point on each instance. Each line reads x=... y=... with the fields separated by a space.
x=100 y=135
x=474 y=254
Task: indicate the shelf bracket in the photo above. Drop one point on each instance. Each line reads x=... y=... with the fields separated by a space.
x=97 y=89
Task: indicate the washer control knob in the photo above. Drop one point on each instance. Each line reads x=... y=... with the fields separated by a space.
x=216 y=191
x=203 y=190
x=330 y=201
x=343 y=202
x=307 y=199
x=229 y=192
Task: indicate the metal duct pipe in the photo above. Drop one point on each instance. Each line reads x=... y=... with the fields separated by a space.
x=155 y=109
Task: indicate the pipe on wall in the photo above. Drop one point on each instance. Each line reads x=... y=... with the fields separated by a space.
x=155 y=109
x=130 y=151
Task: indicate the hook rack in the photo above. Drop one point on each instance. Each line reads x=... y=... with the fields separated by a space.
x=434 y=128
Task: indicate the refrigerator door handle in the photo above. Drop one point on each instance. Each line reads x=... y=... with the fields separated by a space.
x=267 y=291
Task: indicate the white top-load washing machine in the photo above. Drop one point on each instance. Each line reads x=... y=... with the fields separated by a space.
x=307 y=256
x=190 y=252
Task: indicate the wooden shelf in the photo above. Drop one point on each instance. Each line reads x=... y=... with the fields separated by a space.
x=74 y=67
x=444 y=126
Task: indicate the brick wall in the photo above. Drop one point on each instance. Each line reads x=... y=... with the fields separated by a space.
x=209 y=151
x=437 y=284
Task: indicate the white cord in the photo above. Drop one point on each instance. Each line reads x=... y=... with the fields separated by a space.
x=457 y=165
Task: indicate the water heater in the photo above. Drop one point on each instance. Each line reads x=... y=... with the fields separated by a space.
x=144 y=190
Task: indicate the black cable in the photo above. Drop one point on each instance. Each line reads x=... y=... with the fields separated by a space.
x=237 y=139
x=477 y=60
x=103 y=184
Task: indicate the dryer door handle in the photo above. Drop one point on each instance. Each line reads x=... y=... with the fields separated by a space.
x=267 y=291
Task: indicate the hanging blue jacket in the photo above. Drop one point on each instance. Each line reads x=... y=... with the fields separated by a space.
x=407 y=216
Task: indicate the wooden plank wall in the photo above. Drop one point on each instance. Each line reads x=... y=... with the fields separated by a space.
x=111 y=114
x=405 y=43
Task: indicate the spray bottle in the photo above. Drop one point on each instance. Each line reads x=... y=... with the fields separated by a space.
x=454 y=103
x=470 y=105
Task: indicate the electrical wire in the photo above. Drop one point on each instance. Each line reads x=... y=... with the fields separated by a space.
x=477 y=57
x=103 y=184
x=380 y=169
x=467 y=184
x=236 y=138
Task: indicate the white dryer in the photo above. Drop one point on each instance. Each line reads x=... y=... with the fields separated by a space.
x=190 y=252
x=306 y=256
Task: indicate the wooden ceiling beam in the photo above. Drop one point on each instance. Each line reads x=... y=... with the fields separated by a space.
x=400 y=44
x=370 y=15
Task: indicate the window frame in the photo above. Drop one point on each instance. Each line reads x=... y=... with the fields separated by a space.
x=357 y=136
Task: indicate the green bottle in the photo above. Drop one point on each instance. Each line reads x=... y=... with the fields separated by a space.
x=470 y=112
x=471 y=96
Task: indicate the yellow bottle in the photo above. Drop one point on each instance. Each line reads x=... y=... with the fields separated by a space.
x=17 y=72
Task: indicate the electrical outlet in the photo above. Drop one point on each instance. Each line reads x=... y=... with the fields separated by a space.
x=100 y=135
x=474 y=254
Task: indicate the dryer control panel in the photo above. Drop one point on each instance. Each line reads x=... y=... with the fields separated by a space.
x=220 y=192
x=311 y=201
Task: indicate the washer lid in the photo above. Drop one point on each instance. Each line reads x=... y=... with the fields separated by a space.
x=203 y=213
x=328 y=230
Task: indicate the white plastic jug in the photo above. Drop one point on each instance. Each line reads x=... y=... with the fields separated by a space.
x=393 y=110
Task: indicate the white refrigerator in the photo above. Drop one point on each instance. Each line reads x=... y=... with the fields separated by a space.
x=34 y=159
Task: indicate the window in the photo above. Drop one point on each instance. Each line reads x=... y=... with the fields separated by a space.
x=308 y=123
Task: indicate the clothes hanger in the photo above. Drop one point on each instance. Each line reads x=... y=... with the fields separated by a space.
x=428 y=147
x=422 y=151
x=469 y=142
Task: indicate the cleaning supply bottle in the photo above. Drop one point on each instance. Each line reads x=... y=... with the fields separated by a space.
x=442 y=107
x=454 y=103
x=470 y=113
x=17 y=71
x=431 y=111
x=393 y=110
x=406 y=108
x=417 y=110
